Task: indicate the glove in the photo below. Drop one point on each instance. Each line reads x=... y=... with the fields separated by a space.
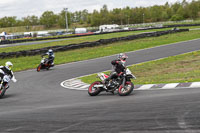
x=14 y=80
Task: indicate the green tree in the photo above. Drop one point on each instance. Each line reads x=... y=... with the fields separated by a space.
x=104 y=13
x=8 y=22
x=30 y=20
x=175 y=7
x=156 y=13
x=127 y=15
x=84 y=16
x=176 y=17
x=95 y=18
x=194 y=9
x=115 y=16
x=62 y=19
x=174 y=11
x=48 y=19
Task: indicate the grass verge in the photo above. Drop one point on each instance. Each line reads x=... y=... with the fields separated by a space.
x=174 y=69
x=74 y=40
x=23 y=63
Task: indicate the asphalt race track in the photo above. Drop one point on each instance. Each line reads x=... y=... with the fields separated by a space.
x=37 y=102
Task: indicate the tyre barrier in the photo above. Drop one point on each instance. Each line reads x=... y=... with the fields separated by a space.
x=86 y=44
x=62 y=37
x=181 y=25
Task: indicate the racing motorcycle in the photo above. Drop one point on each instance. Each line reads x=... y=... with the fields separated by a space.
x=4 y=85
x=122 y=84
x=44 y=64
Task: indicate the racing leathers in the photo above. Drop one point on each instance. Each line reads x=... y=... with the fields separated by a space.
x=119 y=69
x=51 y=57
x=4 y=71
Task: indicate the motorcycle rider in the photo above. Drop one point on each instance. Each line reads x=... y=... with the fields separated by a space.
x=51 y=57
x=6 y=70
x=118 y=66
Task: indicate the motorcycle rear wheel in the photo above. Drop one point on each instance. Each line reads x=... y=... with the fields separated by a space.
x=93 y=91
x=126 y=90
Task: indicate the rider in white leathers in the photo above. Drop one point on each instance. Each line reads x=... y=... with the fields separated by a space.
x=6 y=71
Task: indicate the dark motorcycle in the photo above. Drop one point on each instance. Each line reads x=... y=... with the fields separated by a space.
x=44 y=64
x=122 y=84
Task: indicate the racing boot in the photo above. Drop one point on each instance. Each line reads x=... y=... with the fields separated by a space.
x=1 y=84
x=105 y=82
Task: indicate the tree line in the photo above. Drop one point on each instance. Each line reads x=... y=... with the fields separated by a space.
x=167 y=12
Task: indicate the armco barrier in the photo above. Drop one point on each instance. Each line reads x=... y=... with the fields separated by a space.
x=86 y=44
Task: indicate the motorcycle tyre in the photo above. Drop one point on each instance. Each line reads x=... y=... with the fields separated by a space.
x=128 y=92
x=3 y=91
x=97 y=91
x=39 y=68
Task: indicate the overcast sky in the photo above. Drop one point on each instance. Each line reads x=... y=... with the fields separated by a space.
x=24 y=8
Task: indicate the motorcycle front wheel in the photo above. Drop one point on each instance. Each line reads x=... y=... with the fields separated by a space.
x=126 y=90
x=2 y=92
x=39 y=68
x=93 y=91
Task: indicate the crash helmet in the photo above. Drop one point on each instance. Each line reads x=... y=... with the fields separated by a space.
x=122 y=57
x=50 y=51
x=8 y=65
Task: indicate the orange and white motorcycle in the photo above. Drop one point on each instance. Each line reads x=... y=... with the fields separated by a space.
x=122 y=84
x=44 y=64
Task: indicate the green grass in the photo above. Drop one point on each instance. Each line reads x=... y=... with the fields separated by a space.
x=23 y=63
x=73 y=41
x=181 y=68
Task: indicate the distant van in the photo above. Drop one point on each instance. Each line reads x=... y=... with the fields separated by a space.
x=80 y=30
x=43 y=34
x=108 y=28
x=28 y=34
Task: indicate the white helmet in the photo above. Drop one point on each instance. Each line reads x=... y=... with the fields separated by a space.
x=122 y=57
x=8 y=65
x=50 y=51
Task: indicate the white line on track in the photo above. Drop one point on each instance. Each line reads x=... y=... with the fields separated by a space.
x=13 y=129
x=195 y=84
x=169 y=86
x=145 y=87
